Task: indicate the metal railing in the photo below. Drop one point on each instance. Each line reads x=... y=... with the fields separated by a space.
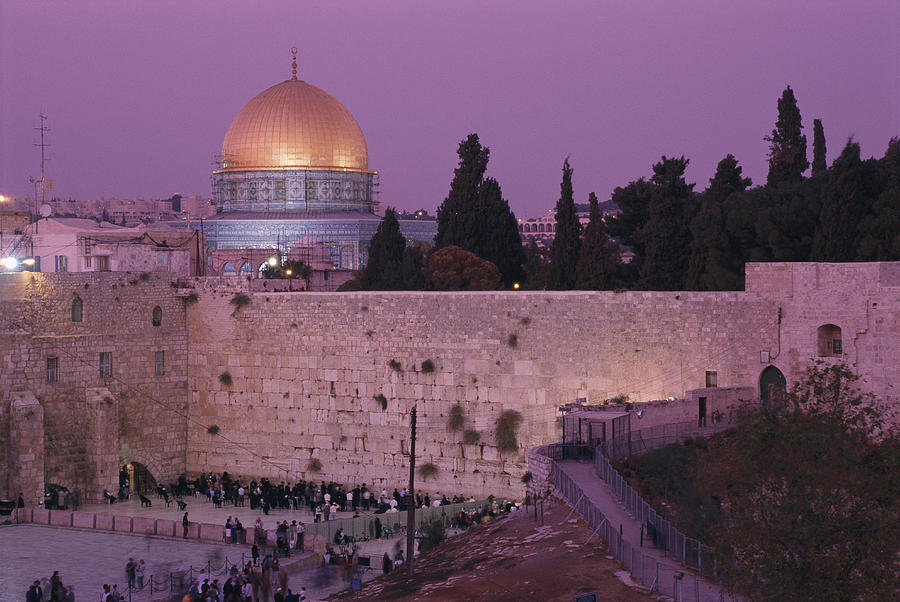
x=390 y=524
x=654 y=437
x=642 y=567
x=688 y=551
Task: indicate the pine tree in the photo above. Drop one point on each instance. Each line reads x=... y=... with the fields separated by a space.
x=567 y=241
x=477 y=218
x=633 y=202
x=819 y=164
x=787 y=144
x=712 y=266
x=597 y=260
x=667 y=234
x=383 y=270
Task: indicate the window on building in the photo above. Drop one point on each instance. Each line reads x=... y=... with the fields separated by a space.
x=105 y=364
x=159 y=359
x=52 y=369
x=77 y=309
x=157 y=316
x=102 y=263
x=830 y=343
x=61 y=263
x=87 y=263
x=712 y=379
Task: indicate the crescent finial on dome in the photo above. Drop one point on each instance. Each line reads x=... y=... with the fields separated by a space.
x=294 y=63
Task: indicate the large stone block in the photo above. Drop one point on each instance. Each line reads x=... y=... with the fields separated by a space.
x=104 y=522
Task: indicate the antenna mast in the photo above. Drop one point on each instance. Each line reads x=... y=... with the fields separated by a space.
x=43 y=129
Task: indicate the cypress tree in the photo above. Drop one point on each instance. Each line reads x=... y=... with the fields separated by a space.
x=455 y=213
x=787 y=144
x=477 y=218
x=819 y=165
x=667 y=234
x=844 y=204
x=383 y=270
x=633 y=202
x=567 y=241
x=880 y=229
x=597 y=260
x=712 y=266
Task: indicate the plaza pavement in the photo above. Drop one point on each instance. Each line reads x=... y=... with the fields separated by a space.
x=88 y=558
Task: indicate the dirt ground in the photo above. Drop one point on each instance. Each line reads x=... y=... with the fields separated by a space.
x=512 y=557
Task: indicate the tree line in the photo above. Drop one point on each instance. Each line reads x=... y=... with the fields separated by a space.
x=675 y=237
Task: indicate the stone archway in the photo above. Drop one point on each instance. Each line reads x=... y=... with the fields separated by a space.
x=772 y=384
x=140 y=479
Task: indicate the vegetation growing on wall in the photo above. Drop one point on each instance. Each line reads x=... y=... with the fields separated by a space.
x=225 y=379
x=527 y=477
x=513 y=341
x=395 y=365
x=427 y=367
x=428 y=470
x=213 y=429
x=239 y=301
x=381 y=399
x=314 y=465
x=457 y=419
x=471 y=437
x=507 y=431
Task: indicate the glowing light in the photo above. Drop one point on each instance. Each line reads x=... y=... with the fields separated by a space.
x=289 y=272
x=516 y=285
x=29 y=261
x=9 y=263
x=273 y=261
x=3 y=198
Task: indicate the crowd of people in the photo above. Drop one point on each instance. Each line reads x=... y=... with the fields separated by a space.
x=54 y=591
x=323 y=500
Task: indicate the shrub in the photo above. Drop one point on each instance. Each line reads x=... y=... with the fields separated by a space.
x=527 y=477
x=395 y=365
x=471 y=437
x=525 y=321
x=145 y=276
x=620 y=398
x=513 y=341
x=507 y=431
x=192 y=298
x=434 y=535
x=225 y=378
x=427 y=367
x=427 y=470
x=314 y=465
x=240 y=300
x=456 y=421
x=380 y=398
x=213 y=429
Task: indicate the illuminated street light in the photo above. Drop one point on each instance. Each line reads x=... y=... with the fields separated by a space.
x=289 y=272
x=3 y=198
x=29 y=261
x=10 y=263
x=273 y=261
x=516 y=285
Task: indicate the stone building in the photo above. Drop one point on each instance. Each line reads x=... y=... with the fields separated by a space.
x=295 y=165
x=103 y=369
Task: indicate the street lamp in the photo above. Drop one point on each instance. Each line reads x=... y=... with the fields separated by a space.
x=10 y=263
x=273 y=261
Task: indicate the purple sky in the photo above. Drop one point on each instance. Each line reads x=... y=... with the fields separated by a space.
x=139 y=98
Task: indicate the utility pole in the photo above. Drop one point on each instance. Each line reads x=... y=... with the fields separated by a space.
x=411 y=504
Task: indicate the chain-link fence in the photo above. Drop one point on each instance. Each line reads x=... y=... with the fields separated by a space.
x=660 y=532
x=643 y=568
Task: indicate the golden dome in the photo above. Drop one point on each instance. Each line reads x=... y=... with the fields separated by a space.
x=294 y=125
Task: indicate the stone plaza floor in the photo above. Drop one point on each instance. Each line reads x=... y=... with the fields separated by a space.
x=88 y=559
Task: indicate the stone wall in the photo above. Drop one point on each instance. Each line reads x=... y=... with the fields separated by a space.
x=307 y=371
x=92 y=423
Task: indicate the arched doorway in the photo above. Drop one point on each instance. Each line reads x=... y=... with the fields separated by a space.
x=772 y=384
x=228 y=269
x=137 y=478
